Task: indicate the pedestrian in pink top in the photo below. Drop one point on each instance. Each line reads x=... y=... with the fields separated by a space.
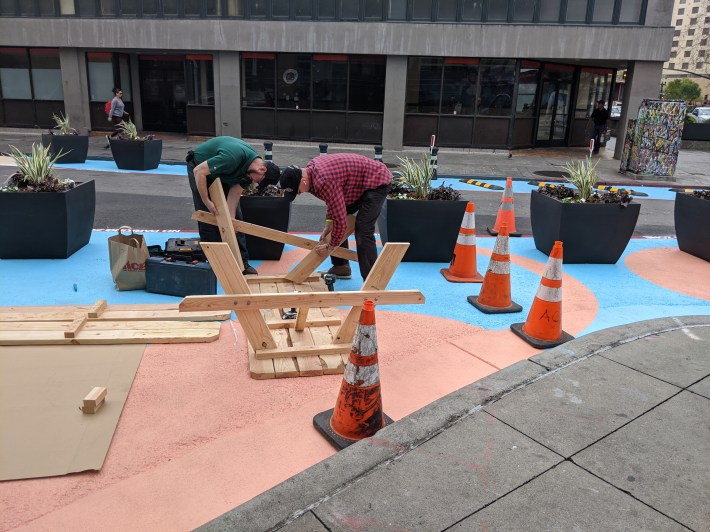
x=350 y=185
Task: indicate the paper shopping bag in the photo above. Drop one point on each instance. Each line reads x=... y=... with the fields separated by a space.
x=127 y=256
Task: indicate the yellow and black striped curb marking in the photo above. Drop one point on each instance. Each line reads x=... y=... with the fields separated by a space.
x=480 y=184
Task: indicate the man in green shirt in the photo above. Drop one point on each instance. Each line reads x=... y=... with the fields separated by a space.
x=238 y=166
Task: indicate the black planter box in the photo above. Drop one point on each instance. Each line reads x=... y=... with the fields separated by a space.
x=271 y=212
x=46 y=225
x=431 y=227
x=591 y=233
x=74 y=147
x=136 y=154
x=692 y=225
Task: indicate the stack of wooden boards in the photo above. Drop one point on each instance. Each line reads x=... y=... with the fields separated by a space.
x=107 y=324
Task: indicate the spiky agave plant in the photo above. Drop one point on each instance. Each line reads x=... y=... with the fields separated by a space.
x=129 y=131
x=416 y=176
x=35 y=172
x=62 y=125
x=583 y=175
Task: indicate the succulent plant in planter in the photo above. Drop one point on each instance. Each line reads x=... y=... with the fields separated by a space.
x=132 y=152
x=42 y=216
x=431 y=225
x=692 y=220
x=64 y=139
x=595 y=227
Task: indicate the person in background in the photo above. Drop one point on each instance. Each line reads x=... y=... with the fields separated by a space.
x=116 y=115
x=599 y=116
x=238 y=166
x=348 y=184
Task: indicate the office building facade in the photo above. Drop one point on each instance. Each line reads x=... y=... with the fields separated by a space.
x=475 y=73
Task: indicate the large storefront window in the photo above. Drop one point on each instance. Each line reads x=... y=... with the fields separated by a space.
x=15 y=74
x=424 y=84
x=199 y=79
x=31 y=85
x=497 y=84
x=314 y=97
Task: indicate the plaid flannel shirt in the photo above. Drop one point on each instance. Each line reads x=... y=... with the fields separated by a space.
x=340 y=180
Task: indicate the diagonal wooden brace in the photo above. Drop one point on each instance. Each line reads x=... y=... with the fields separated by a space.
x=273 y=234
x=223 y=221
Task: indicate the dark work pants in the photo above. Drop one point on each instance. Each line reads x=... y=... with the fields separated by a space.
x=368 y=209
x=599 y=132
x=208 y=232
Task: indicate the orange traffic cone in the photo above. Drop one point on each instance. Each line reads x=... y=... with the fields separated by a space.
x=506 y=211
x=358 y=411
x=463 y=264
x=494 y=297
x=543 y=328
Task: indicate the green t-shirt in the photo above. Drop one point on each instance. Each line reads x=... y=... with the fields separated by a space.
x=228 y=158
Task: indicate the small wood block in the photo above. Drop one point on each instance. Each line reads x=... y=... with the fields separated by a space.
x=75 y=327
x=97 y=309
x=94 y=400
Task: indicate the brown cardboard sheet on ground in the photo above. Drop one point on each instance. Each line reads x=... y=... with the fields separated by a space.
x=42 y=431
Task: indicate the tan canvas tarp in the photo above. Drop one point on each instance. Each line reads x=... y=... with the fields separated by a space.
x=42 y=431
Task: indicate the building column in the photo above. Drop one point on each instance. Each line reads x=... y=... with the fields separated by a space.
x=227 y=91
x=395 y=92
x=76 y=88
x=643 y=81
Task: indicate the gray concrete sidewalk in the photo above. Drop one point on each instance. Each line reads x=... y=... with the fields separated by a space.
x=691 y=171
x=610 y=431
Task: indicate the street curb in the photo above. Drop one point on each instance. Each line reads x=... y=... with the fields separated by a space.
x=297 y=495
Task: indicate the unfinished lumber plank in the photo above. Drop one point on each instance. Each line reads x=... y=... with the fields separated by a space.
x=261 y=369
x=233 y=283
x=223 y=218
x=97 y=309
x=307 y=366
x=75 y=326
x=306 y=351
x=242 y=302
x=310 y=322
x=310 y=262
x=378 y=279
x=333 y=364
x=168 y=311
x=94 y=400
x=273 y=234
x=252 y=279
x=110 y=332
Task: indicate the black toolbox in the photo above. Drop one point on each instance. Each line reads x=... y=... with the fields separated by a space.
x=179 y=278
x=184 y=249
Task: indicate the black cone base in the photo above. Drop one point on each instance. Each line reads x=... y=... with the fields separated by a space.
x=322 y=423
x=513 y=307
x=517 y=328
x=495 y=233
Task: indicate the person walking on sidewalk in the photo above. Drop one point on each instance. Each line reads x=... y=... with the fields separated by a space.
x=238 y=166
x=348 y=184
x=599 y=116
x=116 y=115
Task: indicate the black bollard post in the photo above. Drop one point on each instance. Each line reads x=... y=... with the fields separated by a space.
x=433 y=161
x=323 y=149
x=268 y=153
x=378 y=153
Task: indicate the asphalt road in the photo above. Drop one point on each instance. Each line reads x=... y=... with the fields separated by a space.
x=164 y=202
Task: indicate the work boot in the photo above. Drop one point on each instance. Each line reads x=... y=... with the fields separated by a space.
x=342 y=271
x=249 y=270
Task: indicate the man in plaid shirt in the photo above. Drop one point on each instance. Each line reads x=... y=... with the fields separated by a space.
x=348 y=184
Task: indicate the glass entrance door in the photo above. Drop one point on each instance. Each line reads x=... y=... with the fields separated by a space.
x=555 y=100
x=163 y=93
